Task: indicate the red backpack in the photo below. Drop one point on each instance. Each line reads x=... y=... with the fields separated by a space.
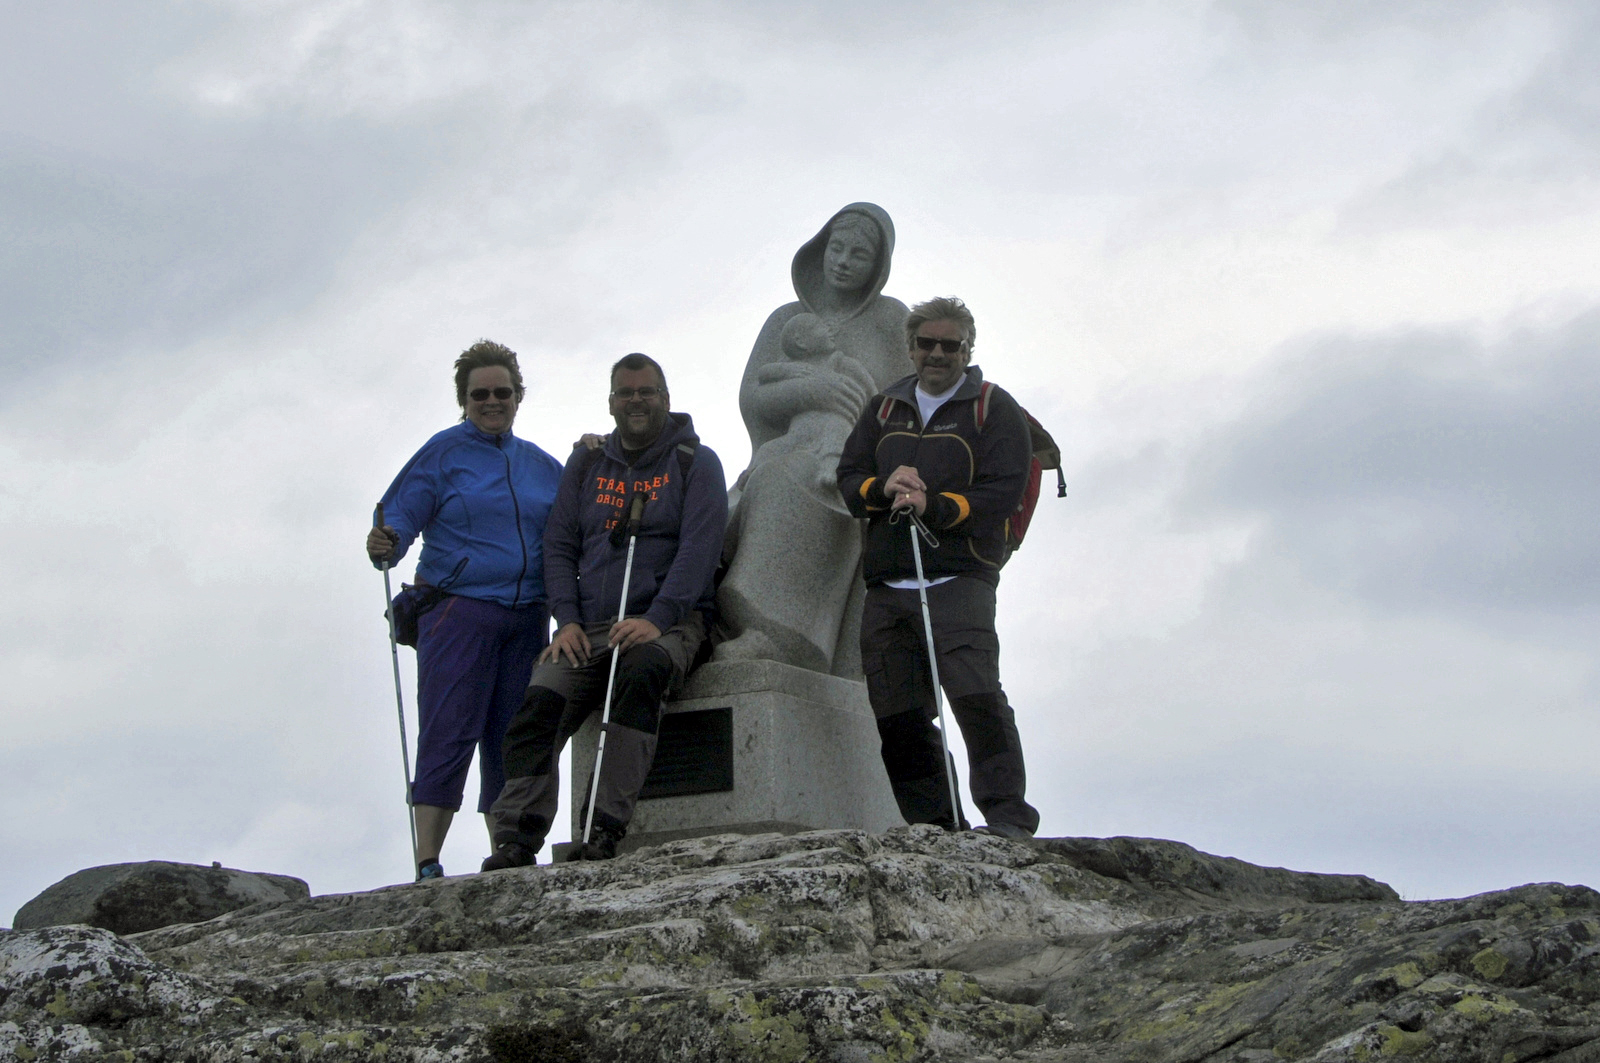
x=1046 y=455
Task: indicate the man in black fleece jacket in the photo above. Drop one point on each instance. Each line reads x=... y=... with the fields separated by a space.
x=654 y=453
x=956 y=452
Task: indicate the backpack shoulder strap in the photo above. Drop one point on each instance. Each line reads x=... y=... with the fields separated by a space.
x=686 y=453
x=590 y=459
x=885 y=408
x=980 y=405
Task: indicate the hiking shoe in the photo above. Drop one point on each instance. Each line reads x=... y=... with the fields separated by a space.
x=508 y=855
x=1005 y=830
x=602 y=846
x=429 y=869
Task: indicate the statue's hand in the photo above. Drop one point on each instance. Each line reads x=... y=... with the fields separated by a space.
x=844 y=393
x=853 y=368
x=776 y=371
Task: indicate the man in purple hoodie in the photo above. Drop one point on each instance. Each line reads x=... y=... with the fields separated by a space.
x=653 y=453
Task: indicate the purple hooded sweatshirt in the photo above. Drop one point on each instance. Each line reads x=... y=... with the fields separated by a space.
x=680 y=536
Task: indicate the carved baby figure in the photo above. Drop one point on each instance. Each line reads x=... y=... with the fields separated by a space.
x=809 y=348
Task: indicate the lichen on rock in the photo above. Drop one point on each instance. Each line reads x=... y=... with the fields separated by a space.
x=839 y=946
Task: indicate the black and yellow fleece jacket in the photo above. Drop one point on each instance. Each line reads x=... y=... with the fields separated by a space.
x=975 y=479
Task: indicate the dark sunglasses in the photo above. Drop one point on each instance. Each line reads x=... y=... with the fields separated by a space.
x=627 y=394
x=928 y=343
x=482 y=394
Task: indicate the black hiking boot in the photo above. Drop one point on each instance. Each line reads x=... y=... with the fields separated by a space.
x=508 y=855
x=1005 y=830
x=602 y=845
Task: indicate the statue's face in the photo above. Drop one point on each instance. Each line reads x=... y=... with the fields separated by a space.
x=849 y=261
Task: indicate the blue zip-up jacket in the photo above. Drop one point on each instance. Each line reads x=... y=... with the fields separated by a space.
x=680 y=536
x=480 y=502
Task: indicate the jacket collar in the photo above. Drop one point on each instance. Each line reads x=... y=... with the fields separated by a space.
x=679 y=429
x=905 y=389
x=472 y=431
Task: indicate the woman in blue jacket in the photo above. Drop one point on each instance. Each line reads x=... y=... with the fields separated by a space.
x=479 y=497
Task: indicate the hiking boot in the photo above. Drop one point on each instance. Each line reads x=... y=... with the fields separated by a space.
x=429 y=869
x=602 y=846
x=1005 y=830
x=508 y=855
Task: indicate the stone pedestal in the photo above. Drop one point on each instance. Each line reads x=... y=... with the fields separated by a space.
x=802 y=748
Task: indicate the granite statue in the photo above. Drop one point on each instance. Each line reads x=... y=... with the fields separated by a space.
x=792 y=591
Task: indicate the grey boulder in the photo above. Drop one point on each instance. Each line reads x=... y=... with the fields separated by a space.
x=133 y=898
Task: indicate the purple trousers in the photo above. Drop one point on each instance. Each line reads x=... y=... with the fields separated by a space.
x=473 y=663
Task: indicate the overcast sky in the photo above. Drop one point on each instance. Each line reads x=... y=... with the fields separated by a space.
x=1309 y=294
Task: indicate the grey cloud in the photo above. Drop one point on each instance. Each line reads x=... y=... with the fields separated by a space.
x=1519 y=155
x=859 y=28
x=144 y=792
x=1283 y=25
x=1560 y=105
x=113 y=255
x=1422 y=470
x=1427 y=829
x=138 y=224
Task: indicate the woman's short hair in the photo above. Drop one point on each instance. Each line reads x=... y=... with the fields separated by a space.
x=943 y=308
x=480 y=355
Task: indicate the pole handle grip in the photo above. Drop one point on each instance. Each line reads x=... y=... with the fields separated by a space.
x=377 y=515
x=636 y=512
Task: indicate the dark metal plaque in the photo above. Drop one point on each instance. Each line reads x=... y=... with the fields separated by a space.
x=694 y=755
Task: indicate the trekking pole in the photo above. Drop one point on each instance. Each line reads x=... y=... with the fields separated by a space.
x=635 y=513
x=919 y=529
x=399 y=702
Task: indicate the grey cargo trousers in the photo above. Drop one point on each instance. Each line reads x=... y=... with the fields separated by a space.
x=894 y=655
x=560 y=698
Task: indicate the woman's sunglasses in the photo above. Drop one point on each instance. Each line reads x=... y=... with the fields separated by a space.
x=482 y=394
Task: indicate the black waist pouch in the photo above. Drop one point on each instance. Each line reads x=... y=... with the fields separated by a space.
x=408 y=607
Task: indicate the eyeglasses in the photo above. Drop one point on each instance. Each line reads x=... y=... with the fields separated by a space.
x=928 y=343
x=482 y=394
x=646 y=393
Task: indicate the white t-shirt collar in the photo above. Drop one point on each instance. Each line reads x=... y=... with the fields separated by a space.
x=928 y=405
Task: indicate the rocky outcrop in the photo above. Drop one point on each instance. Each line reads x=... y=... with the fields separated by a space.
x=62 y=988
x=838 y=946
x=129 y=898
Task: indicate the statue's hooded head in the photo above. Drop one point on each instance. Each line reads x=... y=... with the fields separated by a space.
x=848 y=259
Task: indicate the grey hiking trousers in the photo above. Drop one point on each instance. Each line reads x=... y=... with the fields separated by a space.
x=560 y=698
x=894 y=655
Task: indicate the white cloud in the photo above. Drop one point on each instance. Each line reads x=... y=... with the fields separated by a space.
x=1422 y=470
